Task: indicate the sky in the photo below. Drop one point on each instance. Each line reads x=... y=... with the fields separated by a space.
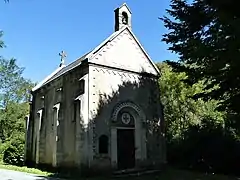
x=35 y=31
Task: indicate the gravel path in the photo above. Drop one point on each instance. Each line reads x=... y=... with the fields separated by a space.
x=14 y=175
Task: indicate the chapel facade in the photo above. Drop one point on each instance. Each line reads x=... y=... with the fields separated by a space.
x=102 y=111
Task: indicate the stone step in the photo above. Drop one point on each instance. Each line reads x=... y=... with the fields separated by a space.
x=134 y=172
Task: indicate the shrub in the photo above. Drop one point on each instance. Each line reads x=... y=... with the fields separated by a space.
x=208 y=148
x=14 y=153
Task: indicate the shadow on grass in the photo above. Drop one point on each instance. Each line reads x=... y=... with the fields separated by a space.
x=207 y=148
x=167 y=174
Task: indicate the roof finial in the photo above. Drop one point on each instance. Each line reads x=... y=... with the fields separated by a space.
x=63 y=55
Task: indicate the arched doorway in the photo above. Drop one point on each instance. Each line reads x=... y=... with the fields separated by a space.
x=125 y=138
x=128 y=135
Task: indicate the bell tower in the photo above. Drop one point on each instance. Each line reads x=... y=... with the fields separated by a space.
x=123 y=17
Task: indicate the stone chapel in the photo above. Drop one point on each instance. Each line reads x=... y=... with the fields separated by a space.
x=100 y=112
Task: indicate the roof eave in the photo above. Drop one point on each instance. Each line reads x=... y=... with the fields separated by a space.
x=39 y=85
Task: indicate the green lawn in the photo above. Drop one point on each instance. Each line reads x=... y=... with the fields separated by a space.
x=24 y=169
x=168 y=174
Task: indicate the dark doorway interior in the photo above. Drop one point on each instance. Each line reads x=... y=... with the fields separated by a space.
x=125 y=148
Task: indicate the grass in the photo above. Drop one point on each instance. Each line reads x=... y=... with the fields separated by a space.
x=24 y=169
x=175 y=174
x=168 y=174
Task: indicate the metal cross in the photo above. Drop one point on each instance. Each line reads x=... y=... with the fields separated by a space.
x=63 y=55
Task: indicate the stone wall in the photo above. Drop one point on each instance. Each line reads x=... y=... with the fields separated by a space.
x=61 y=92
x=109 y=87
x=78 y=137
x=72 y=136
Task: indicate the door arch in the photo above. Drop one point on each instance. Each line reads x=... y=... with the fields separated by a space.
x=132 y=128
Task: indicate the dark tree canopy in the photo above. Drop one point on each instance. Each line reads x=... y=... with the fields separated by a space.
x=206 y=36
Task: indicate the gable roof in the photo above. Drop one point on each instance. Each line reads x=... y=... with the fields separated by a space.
x=113 y=36
x=64 y=69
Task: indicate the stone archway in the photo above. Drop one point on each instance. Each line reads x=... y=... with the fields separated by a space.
x=129 y=104
x=126 y=128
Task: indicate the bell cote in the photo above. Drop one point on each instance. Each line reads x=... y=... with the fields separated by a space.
x=123 y=17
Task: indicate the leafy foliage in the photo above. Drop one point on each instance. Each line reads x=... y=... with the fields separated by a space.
x=206 y=36
x=14 y=97
x=14 y=153
x=196 y=134
x=209 y=148
x=13 y=87
x=180 y=110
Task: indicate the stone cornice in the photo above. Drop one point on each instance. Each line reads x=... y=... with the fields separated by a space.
x=124 y=70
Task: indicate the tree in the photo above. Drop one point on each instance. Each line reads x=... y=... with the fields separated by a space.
x=206 y=36
x=195 y=129
x=180 y=110
x=14 y=97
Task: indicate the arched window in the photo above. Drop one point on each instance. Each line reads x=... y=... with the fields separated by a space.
x=103 y=144
x=124 y=18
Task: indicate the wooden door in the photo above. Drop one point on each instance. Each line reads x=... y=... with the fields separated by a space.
x=126 y=148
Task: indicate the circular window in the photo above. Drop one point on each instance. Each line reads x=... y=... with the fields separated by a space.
x=126 y=118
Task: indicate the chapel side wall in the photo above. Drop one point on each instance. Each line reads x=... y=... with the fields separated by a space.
x=47 y=126
x=45 y=99
x=34 y=133
x=29 y=141
x=30 y=161
x=61 y=91
x=69 y=124
x=35 y=122
x=107 y=87
x=71 y=135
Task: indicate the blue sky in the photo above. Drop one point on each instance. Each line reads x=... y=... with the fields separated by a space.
x=35 y=31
